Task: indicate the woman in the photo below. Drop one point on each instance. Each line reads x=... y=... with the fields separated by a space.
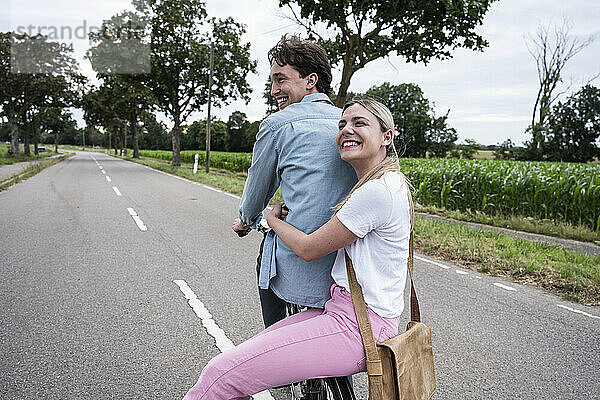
x=373 y=225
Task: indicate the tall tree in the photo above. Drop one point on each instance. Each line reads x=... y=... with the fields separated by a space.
x=359 y=32
x=551 y=48
x=120 y=56
x=574 y=128
x=420 y=130
x=35 y=73
x=180 y=36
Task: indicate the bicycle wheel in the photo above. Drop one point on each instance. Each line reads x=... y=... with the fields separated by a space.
x=338 y=388
x=335 y=388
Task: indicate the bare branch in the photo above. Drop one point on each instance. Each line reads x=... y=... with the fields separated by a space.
x=305 y=25
x=551 y=52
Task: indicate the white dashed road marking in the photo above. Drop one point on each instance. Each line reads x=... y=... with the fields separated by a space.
x=505 y=287
x=116 y=189
x=432 y=262
x=137 y=219
x=223 y=342
x=578 y=311
x=108 y=178
x=104 y=172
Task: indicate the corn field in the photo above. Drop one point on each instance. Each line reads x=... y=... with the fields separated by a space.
x=543 y=190
x=565 y=192
x=235 y=162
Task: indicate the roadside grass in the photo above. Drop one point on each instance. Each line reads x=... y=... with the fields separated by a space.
x=571 y=275
x=525 y=224
x=31 y=170
x=232 y=182
x=6 y=159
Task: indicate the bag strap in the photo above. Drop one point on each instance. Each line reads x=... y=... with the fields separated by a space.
x=374 y=366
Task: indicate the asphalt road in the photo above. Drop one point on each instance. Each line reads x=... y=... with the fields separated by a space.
x=95 y=279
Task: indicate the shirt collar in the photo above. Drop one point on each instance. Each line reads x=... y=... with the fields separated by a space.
x=316 y=97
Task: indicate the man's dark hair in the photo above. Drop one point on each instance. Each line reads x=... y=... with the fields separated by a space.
x=306 y=57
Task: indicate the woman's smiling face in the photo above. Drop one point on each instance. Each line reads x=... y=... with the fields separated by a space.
x=360 y=140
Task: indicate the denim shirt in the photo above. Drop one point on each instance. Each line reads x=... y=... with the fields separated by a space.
x=295 y=148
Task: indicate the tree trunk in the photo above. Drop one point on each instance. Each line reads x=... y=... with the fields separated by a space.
x=14 y=130
x=125 y=141
x=347 y=72
x=26 y=129
x=35 y=138
x=175 y=139
x=56 y=141
x=134 y=134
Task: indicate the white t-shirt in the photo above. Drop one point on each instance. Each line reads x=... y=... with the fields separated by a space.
x=379 y=214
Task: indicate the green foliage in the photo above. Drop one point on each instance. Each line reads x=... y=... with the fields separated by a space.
x=467 y=150
x=4 y=132
x=269 y=100
x=180 y=36
x=195 y=137
x=359 y=32
x=35 y=74
x=574 y=128
x=542 y=190
x=420 y=130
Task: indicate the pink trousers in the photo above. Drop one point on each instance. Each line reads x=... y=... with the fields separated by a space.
x=312 y=344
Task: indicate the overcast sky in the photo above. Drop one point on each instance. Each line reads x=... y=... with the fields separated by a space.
x=490 y=94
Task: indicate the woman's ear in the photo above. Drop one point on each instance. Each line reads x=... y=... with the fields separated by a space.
x=388 y=137
x=311 y=81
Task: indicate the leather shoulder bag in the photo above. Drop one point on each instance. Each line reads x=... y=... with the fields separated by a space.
x=399 y=368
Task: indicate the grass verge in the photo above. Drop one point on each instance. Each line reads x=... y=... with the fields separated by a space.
x=7 y=159
x=572 y=275
x=31 y=171
x=543 y=227
x=232 y=182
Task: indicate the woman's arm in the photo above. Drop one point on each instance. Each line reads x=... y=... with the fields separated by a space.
x=329 y=237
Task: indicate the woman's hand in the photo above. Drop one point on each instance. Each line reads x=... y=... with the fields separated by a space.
x=279 y=211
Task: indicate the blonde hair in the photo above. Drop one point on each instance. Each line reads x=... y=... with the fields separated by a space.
x=390 y=162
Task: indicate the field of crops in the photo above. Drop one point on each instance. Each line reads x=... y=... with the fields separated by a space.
x=559 y=191
x=563 y=192
x=235 y=162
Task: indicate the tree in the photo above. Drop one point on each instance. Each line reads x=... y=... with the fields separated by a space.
x=121 y=58
x=441 y=137
x=154 y=134
x=218 y=135
x=574 y=128
x=420 y=130
x=238 y=132
x=364 y=31
x=269 y=100
x=180 y=36
x=551 y=51
x=35 y=74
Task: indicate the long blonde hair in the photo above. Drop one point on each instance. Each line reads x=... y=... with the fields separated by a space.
x=390 y=162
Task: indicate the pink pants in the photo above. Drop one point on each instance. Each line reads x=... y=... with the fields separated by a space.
x=312 y=344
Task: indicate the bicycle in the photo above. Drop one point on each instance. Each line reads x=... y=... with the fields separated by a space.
x=333 y=388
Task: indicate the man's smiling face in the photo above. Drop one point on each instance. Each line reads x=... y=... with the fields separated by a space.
x=287 y=86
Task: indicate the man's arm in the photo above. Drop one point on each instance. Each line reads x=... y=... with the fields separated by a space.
x=263 y=178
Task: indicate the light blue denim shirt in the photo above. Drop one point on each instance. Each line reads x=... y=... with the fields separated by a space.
x=295 y=148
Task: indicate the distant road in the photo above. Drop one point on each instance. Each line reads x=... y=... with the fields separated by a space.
x=98 y=255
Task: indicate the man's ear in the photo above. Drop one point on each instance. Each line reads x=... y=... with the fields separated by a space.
x=311 y=81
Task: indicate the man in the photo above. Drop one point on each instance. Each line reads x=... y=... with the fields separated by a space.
x=295 y=148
